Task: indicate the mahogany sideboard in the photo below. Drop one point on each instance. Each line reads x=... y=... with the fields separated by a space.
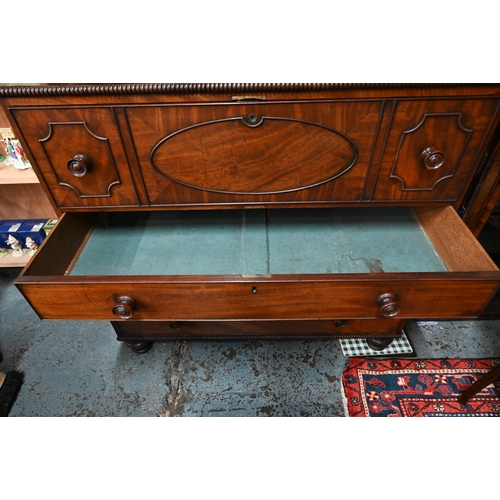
x=257 y=210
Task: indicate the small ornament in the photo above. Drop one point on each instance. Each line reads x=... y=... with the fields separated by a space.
x=21 y=154
x=17 y=158
x=3 y=252
x=31 y=245
x=10 y=148
x=16 y=246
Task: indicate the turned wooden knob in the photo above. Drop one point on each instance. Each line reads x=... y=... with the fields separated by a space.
x=79 y=165
x=432 y=158
x=124 y=307
x=388 y=304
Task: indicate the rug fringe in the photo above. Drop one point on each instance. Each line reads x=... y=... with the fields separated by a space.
x=344 y=400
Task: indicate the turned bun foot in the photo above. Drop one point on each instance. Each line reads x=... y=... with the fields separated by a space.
x=378 y=344
x=140 y=347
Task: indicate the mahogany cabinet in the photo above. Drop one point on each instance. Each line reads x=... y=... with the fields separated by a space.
x=257 y=210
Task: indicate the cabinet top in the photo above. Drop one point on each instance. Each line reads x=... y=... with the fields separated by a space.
x=220 y=89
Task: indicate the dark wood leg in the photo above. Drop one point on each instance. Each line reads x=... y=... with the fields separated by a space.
x=378 y=343
x=140 y=347
x=479 y=385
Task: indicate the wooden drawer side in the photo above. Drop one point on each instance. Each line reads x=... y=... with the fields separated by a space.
x=56 y=254
x=453 y=241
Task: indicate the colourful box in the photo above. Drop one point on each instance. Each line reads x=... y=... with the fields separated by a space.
x=34 y=229
x=49 y=225
x=8 y=228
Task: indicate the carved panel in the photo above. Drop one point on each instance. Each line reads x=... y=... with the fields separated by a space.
x=254 y=155
x=431 y=151
x=99 y=177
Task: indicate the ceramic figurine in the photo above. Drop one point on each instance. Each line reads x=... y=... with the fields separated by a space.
x=18 y=148
x=16 y=246
x=11 y=149
x=20 y=152
x=3 y=252
x=31 y=245
x=19 y=163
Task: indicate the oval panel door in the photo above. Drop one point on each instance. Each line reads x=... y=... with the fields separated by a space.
x=254 y=154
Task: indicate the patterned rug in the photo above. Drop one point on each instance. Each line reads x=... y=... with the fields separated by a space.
x=417 y=388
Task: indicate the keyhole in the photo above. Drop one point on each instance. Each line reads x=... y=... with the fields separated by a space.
x=252 y=118
x=254 y=289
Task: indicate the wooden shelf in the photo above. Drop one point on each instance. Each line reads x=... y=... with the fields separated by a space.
x=11 y=175
x=10 y=261
x=21 y=197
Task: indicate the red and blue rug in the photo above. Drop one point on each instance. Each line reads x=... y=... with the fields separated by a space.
x=417 y=388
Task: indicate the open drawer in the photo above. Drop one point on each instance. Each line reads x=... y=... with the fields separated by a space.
x=246 y=265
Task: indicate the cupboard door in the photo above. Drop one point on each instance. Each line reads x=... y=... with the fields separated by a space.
x=79 y=154
x=255 y=153
x=433 y=149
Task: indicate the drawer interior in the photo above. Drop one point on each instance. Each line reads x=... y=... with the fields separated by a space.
x=262 y=242
x=259 y=242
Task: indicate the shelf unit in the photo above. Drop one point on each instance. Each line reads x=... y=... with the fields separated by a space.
x=21 y=197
